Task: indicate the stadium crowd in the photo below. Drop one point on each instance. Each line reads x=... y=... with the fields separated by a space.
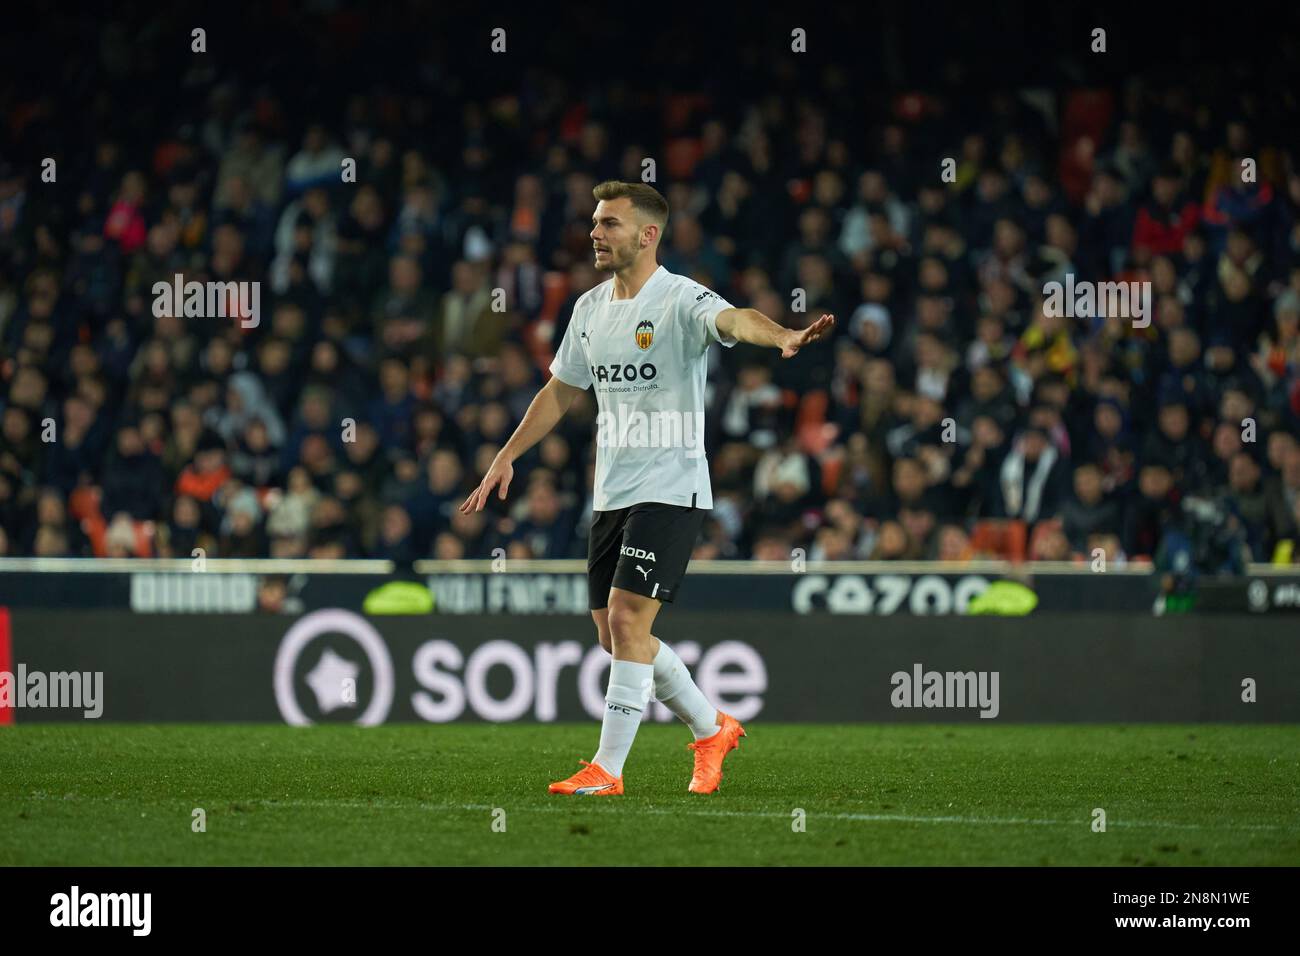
x=950 y=416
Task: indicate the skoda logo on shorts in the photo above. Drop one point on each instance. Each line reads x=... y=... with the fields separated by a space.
x=645 y=334
x=333 y=678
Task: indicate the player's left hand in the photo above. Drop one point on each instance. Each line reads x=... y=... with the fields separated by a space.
x=797 y=340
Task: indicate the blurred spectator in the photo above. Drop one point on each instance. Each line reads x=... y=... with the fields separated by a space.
x=546 y=527
x=409 y=316
x=1088 y=513
x=1031 y=483
x=132 y=478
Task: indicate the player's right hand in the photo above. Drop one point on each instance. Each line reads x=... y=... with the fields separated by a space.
x=499 y=474
x=797 y=340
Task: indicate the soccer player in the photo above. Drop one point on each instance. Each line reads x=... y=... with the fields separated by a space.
x=642 y=339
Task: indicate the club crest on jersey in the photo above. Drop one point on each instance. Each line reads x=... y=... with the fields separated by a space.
x=645 y=334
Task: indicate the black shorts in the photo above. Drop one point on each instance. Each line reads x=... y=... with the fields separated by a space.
x=642 y=548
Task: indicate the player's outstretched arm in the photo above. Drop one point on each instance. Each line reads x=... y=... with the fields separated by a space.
x=547 y=407
x=752 y=326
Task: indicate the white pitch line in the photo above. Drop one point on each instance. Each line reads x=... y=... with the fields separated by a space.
x=773 y=814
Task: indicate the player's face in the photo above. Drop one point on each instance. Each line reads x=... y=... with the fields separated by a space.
x=615 y=234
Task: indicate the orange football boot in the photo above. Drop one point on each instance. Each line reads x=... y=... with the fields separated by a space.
x=709 y=753
x=593 y=780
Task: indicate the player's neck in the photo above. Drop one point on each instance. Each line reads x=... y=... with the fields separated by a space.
x=628 y=282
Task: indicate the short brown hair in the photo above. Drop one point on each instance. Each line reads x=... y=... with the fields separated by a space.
x=646 y=199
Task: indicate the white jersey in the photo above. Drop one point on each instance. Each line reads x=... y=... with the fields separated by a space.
x=648 y=359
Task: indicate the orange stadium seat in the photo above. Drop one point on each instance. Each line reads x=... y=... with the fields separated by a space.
x=810 y=422
x=144 y=535
x=999 y=538
x=83 y=505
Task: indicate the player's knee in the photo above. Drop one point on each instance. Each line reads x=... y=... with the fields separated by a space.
x=626 y=623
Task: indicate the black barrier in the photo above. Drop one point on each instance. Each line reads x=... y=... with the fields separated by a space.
x=880 y=592
x=335 y=665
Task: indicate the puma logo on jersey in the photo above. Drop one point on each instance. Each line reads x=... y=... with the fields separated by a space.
x=637 y=553
x=644 y=573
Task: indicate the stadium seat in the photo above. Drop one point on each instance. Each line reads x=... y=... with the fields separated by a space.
x=144 y=538
x=1086 y=116
x=810 y=423
x=832 y=467
x=1003 y=538
x=83 y=506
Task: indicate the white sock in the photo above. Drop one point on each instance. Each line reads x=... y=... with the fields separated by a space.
x=676 y=691
x=629 y=690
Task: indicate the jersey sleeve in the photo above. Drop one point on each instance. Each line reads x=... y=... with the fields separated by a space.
x=703 y=307
x=570 y=362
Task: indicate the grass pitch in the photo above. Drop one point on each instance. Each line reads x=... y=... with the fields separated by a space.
x=122 y=794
